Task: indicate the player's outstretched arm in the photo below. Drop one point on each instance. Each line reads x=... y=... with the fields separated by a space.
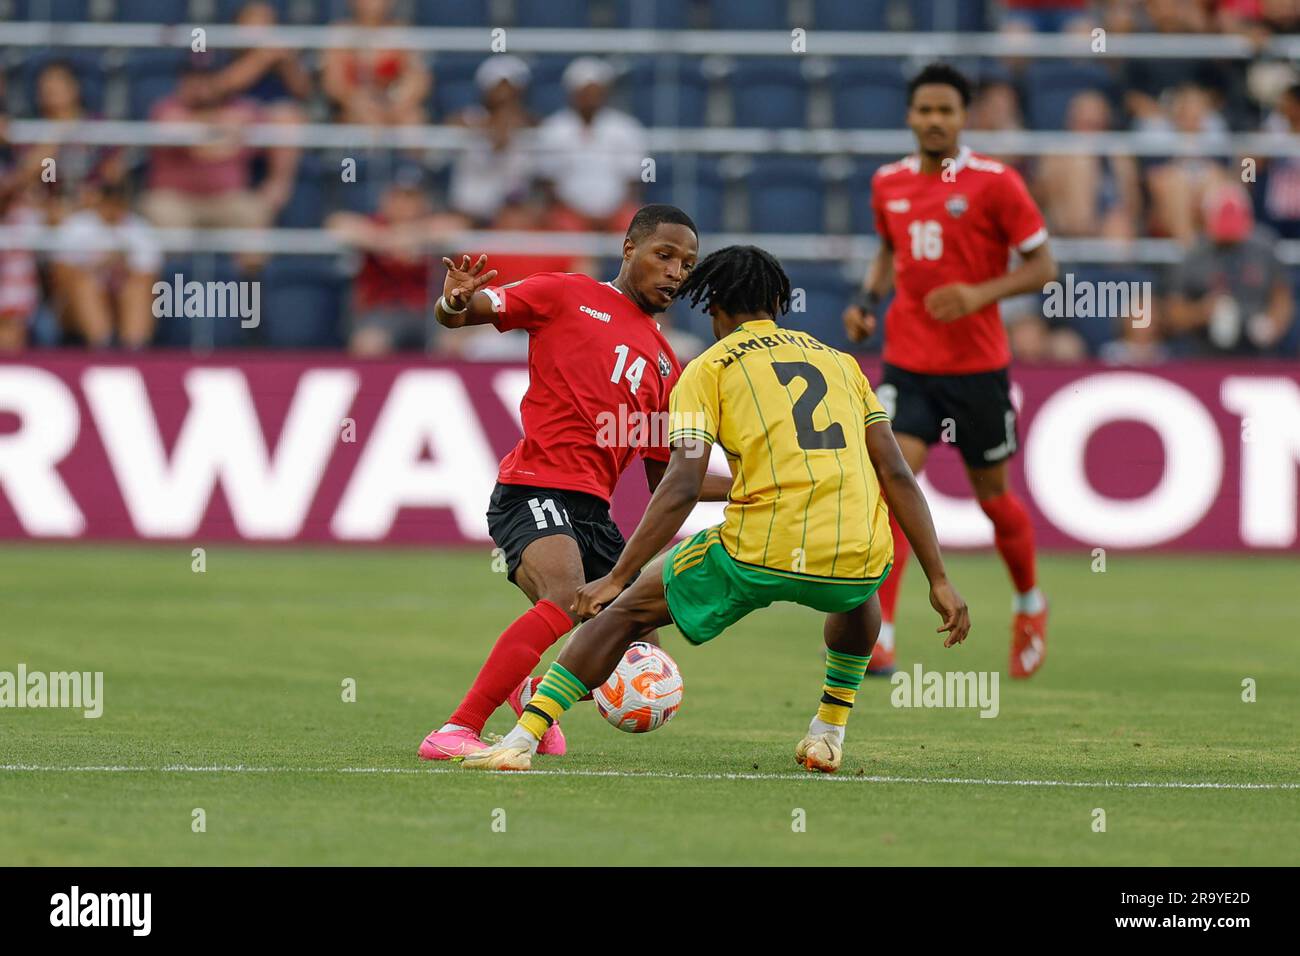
x=461 y=304
x=908 y=505
x=672 y=501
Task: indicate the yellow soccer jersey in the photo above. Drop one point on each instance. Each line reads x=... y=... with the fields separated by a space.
x=791 y=415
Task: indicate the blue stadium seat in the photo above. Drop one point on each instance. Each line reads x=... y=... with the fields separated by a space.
x=363 y=195
x=768 y=93
x=862 y=221
x=454 y=88
x=451 y=13
x=150 y=11
x=749 y=14
x=826 y=289
x=687 y=99
x=302 y=302
x=546 y=92
x=786 y=194
x=1051 y=84
x=57 y=11
x=151 y=76
x=307 y=204
x=868 y=95
x=652 y=14
x=568 y=14
x=1290 y=344
x=701 y=198
x=183 y=332
x=856 y=15
x=85 y=63
x=966 y=16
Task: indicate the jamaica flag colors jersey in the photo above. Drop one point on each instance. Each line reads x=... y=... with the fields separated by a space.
x=791 y=415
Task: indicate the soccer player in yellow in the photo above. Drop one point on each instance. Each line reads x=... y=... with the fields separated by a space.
x=813 y=459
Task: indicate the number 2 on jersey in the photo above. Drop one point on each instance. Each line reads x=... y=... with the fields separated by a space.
x=806 y=433
x=634 y=371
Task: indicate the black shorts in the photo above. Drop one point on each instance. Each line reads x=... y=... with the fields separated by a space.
x=973 y=412
x=520 y=514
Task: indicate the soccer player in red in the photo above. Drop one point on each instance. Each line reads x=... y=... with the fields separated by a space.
x=596 y=356
x=947 y=220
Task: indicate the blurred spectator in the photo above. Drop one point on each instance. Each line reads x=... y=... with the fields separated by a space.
x=77 y=170
x=494 y=167
x=391 y=304
x=269 y=75
x=591 y=155
x=1046 y=16
x=1178 y=187
x=1278 y=188
x=1231 y=295
x=1259 y=19
x=20 y=292
x=380 y=87
x=211 y=185
x=1148 y=80
x=1086 y=194
x=106 y=264
x=996 y=108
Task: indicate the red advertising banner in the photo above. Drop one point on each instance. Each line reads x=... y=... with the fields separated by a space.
x=265 y=447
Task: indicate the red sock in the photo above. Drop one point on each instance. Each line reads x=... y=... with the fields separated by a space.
x=888 y=590
x=513 y=658
x=1013 y=533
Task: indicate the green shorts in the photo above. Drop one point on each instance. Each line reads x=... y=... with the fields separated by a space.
x=708 y=590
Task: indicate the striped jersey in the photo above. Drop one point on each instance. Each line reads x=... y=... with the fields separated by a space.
x=791 y=415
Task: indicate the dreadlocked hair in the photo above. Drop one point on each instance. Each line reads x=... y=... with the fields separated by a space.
x=739 y=280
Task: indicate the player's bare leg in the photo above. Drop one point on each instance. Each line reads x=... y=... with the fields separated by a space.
x=1013 y=533
x=850 y=637
x=915 y=452
x=587 y=659
x=549 y=573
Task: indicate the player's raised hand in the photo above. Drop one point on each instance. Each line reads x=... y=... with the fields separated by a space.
x=465 y=279
x=859 y=324
x=594 y=595
x=952 y=608
x=950 y=302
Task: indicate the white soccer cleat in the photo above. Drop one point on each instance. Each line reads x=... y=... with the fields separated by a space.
x=499 y=757
x=820 y=752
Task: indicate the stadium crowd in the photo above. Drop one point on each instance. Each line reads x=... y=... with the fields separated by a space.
x=558 y=144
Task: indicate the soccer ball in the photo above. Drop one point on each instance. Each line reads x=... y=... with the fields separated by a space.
x=644 y=691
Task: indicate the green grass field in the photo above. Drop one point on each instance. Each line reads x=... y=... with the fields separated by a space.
x=242 y=667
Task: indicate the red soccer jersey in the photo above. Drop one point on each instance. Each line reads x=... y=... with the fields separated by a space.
x=599 y=375
x=944 y=232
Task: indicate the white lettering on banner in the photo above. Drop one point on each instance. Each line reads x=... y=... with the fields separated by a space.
x=427 y=407
x=221 y=441
x=48 y=423
x=1055 y=460
x=960 y=522
x=510 y=387
x=1270 y=459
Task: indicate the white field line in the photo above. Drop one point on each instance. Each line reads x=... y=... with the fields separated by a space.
x=669 y=775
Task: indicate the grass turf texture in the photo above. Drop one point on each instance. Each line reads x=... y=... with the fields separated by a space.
x=243 y=665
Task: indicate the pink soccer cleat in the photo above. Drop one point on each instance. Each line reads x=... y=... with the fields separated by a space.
x=552 y=741
x=450 y=745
